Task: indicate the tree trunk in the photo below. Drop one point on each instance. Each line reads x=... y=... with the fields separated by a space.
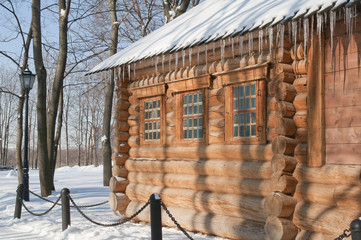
x=64 y=7
x=107 y=114
x=44 y=165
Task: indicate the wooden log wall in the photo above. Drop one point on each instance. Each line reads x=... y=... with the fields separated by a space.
x=118 y=201
x=280 y=203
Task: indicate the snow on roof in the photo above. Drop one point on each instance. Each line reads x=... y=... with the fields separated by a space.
x=215 y=19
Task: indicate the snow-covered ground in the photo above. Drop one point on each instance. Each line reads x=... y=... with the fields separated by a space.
x=85 y=185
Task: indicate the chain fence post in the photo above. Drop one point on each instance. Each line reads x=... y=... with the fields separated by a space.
x=155 y=217
x=19 y=201
x=355 y=228
x=65 y=208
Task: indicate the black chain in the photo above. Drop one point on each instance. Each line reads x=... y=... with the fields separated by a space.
x=344 y=235
x=108 y=224
x=86 y=206
x=175 y=221
x=41 y=214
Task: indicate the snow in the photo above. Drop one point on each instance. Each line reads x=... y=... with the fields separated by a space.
x=86 y=188
x=214 y=19
x=62 y=12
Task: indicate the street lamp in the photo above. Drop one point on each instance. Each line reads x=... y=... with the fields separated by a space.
x=27 y=79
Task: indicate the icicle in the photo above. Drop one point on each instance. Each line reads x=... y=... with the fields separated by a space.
x=190 y=56
x=206 y=52
x=332 y=27
x=305 y=34
x=260 y=40
x=270 y=36
x=123 y=73
x=176 y=60
x=349 y=17
x=169 y=62
x=198 y=55
x=118 y=74
x=250 y=43
x=240 y=45
x=319 y=26
x=129 y=71
x=312 y=24
x=223 y=44
x=232 y=45
x=282 y=37
x=163 y=59
x=214 y=49
x=184 y=57
x=134 y=65
x=156 y=65
x=294 y=37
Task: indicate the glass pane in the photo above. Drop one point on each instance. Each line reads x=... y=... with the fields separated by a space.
x=190 y=110
x=241 y=91
x=248 y=118
x=241 y=131
x=158 y=135
x=150 y=136
x=158 y=125
x=158 y=103
x=200 y=97
x=195 y=97
x=146 y=136
x=195 y=109
x=235 y=104
x=241 y=118
x=158 y=113
x=246 y=89
x=200 y=133
x=185 y=134
x=154 y=125
x=146 y=126
x=154 y=113
x=146 y=115
x=150 y=126
x=184 y=122
x=235 y=92
x=190 y=133
x=241 y=104
x=190 y=122
x=248 y=131
x=235 y=131
x=195 y=122
x=154 y=104
x=185 y=111
x=253 y=117
x=184 y=99
x=200 y=122
x=253 y=130
x=195 y=131
x=253 y=103
x=154 y=135
x=235 y=118
x=190 y=100
x=150 y=115
x=146 y=105
x=253 y=89
x=247 y=104
x=200 y=109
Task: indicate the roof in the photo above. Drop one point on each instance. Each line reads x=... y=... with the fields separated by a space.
x=215 y=19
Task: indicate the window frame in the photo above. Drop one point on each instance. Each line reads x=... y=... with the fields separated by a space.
x=157 y=142
x=261 y=114
x=179 y=112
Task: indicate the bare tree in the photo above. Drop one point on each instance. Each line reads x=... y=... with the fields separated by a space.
x=175 y=8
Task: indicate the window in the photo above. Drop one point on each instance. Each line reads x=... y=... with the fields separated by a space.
x=191 y=117
x=245 y=113
x=151 y=120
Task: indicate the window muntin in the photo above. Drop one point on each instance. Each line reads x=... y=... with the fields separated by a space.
x=192 y=116
x=244 y=110
x=152 y=120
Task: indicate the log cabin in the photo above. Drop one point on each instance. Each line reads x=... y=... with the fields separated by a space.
x=245 y=117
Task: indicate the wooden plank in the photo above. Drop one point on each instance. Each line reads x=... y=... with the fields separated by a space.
x=148 y=91
x=343 y=135
x=189 y=84
x=350 y=98
x=315 y=101
x=343 y=116
x=343 y=81
x=341 y=62
x=343 y=154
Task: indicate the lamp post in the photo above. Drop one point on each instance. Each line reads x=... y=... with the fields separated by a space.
x=27 y=79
